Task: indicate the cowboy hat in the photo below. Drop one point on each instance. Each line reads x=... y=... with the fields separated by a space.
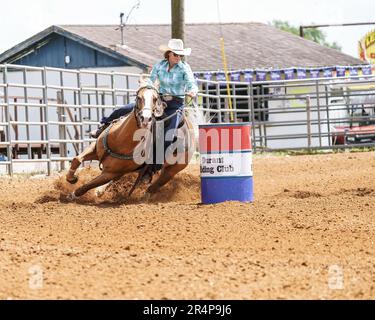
x=176 y=46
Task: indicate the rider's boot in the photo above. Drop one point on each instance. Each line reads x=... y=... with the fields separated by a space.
x=96 y=132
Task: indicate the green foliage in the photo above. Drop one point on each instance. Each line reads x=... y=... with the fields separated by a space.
x=313 y=34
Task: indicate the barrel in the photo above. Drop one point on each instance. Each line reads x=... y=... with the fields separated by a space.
x=226 y=162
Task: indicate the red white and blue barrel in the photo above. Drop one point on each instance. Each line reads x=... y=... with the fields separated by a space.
x=226 y=162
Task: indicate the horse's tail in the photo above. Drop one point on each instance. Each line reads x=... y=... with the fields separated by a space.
x=197 y=116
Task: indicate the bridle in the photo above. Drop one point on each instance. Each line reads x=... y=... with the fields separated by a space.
x=157 y=108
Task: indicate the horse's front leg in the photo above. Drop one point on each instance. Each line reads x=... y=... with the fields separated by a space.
x=166 y=174
x=86 y=155
x=100 y=180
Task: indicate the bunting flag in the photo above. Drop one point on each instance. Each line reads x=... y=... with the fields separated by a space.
x=314 y=73
x=289 y=74
x=248 y=75
x=261 y=75
x=208 y=76
x=366 y=70
x=353 y=71
x=301 y=73
x=235 y=76
x=340 y=71
x=327 y=72
x=275 y=75
x=220 y=76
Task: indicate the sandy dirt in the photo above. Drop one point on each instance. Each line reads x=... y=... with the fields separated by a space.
x=309 y=235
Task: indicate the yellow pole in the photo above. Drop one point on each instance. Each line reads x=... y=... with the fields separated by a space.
x=226 y=77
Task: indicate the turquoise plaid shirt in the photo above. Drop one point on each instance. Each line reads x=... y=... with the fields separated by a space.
x=176 y=82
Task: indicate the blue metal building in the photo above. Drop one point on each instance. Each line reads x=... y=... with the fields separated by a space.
x=59 y=48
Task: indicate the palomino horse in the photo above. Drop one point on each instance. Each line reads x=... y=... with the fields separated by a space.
x=115 y=148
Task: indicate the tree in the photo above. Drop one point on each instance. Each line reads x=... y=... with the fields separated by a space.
x=313 y=34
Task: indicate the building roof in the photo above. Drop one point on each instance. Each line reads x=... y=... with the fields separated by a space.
x=247 y=45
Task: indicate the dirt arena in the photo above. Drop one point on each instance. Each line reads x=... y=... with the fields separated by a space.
x=309 y=235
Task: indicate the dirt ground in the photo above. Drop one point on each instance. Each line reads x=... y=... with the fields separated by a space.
x=309 y=235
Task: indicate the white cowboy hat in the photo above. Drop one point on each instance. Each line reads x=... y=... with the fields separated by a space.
x=176 y=46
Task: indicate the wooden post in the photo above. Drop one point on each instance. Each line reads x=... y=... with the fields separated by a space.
x=301 y=32
x=178 y=19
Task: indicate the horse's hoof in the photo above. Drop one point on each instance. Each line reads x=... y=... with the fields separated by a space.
x=73 y=181
x=146 y=196
x=71 y=197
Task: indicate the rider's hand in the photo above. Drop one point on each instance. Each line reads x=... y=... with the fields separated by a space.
x=189 y=98
x=191 y=94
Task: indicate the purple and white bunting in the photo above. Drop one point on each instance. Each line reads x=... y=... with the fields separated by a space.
x=366 y=70
x=301 y=73
x=207 y=76
x=327 y=72
x=248 y=75
x=314 y=73
x=235 y=76
x=340 y=71
x=261 y=75
x=289 y=74
x=353 y=71
x=275 y=75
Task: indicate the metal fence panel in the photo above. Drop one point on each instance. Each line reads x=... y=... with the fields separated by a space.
x=46 y=114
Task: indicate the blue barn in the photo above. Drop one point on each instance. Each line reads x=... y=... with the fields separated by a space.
x=58 y=47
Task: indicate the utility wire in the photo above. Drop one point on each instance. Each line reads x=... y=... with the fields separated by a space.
x=136 y=6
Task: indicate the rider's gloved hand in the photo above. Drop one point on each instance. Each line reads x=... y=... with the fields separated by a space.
x=189 y=98
x=191 y=94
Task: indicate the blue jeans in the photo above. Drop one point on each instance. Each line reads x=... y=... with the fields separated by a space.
x=172 y=123
x=118 y=113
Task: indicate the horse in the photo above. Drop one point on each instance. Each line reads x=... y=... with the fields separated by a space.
x=120 y=153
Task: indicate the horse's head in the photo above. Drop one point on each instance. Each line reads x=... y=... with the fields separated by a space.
x=148 y=105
